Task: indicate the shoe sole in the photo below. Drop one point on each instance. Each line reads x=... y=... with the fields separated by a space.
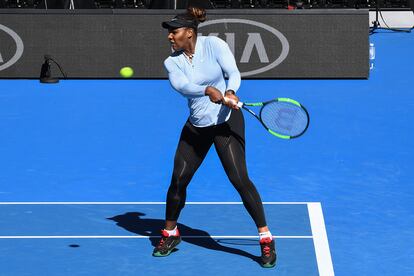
x=158 y=254
x=268 y=265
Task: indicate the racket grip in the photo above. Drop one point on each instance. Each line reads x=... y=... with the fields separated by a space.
x=239 y=104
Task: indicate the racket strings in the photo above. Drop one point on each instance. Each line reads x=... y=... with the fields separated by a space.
x=284 y=118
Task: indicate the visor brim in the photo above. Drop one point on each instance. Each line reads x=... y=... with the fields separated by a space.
x=171 y=25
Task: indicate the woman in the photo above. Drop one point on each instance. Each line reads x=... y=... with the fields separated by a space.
x=196 y=70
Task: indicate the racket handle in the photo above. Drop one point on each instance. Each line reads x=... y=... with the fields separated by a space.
x=239 y=104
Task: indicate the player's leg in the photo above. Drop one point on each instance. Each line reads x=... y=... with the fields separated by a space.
x=230 y=146
x=192 y=148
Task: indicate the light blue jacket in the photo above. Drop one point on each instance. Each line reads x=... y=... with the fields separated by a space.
x=212 y=61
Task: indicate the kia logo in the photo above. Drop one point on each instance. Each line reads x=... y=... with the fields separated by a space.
x=254 y=50
x=19 y=48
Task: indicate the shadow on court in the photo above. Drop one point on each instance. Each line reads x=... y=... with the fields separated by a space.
x=133 y=222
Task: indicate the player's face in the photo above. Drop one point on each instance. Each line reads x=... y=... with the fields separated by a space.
x=179 y=38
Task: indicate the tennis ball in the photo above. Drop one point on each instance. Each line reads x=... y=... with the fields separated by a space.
x=126 y=72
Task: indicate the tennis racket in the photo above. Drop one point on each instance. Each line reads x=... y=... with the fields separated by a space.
x=282 y=117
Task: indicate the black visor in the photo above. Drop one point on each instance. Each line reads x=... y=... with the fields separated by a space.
x=179 y=22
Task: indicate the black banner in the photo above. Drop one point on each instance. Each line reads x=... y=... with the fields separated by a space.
x=266 y=43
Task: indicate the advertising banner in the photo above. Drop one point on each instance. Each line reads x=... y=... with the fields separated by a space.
x=265 y=43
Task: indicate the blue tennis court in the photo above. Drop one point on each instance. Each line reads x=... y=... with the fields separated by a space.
x=114 y=226
x=85 y=166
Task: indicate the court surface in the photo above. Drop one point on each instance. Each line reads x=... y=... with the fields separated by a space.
x=84 y=229
x=85 y=166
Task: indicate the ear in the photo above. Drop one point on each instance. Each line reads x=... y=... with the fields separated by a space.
x=190 y=33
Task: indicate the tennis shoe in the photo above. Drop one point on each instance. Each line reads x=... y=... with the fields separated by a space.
x=268 y=258
x=167 y=244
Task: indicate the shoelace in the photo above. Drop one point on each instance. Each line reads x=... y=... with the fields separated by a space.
x=164 y=237
x=266 y=250
x=161 y=243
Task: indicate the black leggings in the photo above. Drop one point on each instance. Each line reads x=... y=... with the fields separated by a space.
x=228 y=139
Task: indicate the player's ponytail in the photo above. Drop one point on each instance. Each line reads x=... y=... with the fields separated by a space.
x=198 y=14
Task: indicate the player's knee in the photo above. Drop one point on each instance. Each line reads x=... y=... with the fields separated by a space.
x=182 y=174
x=180 y=180
x=238 y=180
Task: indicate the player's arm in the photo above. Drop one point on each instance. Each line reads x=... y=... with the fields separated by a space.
x=181 y=83
x=228 y=64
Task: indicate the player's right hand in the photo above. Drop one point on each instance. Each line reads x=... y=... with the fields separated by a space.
x=231 y=100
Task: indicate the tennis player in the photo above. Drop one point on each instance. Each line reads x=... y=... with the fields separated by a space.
x=197 y=70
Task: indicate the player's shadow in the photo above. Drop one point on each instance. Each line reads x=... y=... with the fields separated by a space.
x=133 y=222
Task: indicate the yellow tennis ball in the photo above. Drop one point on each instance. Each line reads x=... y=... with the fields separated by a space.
x=126 y=72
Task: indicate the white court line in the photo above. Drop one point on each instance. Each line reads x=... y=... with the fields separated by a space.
x=320 y=240
x=147 y=237
x=142 y=203
x=319 y=236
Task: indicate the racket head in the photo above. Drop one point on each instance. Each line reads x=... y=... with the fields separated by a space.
x=284 y=118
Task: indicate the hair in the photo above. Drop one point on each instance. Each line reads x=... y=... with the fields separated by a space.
x=194 y=14
x=198 y=14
